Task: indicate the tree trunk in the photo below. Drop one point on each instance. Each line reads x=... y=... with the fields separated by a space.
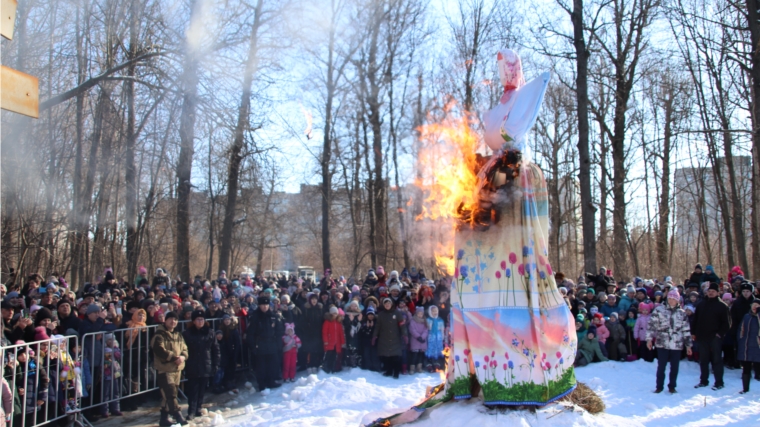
x=375 y=120
x=236 y=158
x=588 y=212
x=130 y=174
x=664 y=203
x=189 y=83
x=753 y=22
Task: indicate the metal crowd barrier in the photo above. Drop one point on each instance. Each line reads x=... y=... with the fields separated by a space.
x=43 y=381
x=132 y=373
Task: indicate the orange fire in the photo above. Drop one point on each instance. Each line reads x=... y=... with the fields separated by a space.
x=447 y=171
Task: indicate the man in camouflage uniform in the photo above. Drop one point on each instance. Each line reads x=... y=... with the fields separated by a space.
x=669 y=328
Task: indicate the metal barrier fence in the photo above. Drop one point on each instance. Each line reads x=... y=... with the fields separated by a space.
x=43 y=381
x=60 y=377
x=119 y=363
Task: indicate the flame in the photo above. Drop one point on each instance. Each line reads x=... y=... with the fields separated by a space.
x=309 y=121
x=447 y=175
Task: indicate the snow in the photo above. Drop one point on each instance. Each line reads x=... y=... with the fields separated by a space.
x=356 y=397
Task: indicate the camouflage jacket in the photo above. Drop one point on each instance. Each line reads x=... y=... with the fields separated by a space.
x=669 y=327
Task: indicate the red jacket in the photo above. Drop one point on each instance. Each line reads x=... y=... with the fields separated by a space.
x=332 y=333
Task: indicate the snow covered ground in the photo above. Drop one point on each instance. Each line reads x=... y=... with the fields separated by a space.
x=355 y=397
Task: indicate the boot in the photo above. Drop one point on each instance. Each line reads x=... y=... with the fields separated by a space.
x=403 y=369
x=179 y=418
x=411 y=369
x=165 y=421
x=419 y=367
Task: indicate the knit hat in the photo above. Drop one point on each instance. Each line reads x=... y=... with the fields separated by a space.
x=563 y=290
x=598 y=316
x=612 y=297
x=109 y=276
x=92 y=308
x=728 y=297
x=614 y=314
x=198 y=313
x=226 y=316
x=355 y=288
x=658 y=293
x=708 y=267
x=591 y=330
x=170 y=315
x=380 y=270
x=674 y=294
x=334 y=310
x=371 y=310
x=690 y=308
x=698 y=266
x=219 y=332
x=40 y=333
x=714 y=287
x=42 y=314
x=419 y=309
x=394 y=274
x=387 y=300
x=395 y=286
x=738 y=277
x=580 y=318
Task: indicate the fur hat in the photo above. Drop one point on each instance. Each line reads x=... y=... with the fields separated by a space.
x=747 y=286
x=197 y=313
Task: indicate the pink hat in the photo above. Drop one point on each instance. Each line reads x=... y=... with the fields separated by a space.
x=728 y=297
x=380 y=270
x=674 y=294
x=40 y=333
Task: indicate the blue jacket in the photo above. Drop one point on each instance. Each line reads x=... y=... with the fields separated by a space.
x=748 y=339
x=93 y=349
x=435 y=338
x=624 y=304
x=607 y=310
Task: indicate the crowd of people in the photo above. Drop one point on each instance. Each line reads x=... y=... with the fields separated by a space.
x=389 y=322
x=704 y=319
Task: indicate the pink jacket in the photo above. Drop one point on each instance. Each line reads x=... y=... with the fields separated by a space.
x=602 y=333
x=640 y=330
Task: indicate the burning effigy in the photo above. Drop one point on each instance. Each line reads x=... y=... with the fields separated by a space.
x=513 y=339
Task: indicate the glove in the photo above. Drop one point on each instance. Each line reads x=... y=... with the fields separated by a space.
x=374 y=341
x=421 y=340
x=406 y=340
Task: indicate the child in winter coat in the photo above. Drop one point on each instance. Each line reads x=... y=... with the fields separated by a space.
x=351 y=325
x=640 y=331
x=370 y=359
x=602 y=333
x=334 y=341
x=589 y=350
x=418 y=337
x=436 y=335
x=630 y=341
x=111 y=383
x=616 y=350
x=290 y=345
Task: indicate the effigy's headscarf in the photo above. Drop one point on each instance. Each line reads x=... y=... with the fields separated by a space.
x=510 y=69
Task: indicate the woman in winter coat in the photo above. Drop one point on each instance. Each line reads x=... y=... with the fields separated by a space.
x=31 y=385
x=418 y=337
x=370 y=360
x=640 y=331
x=749 y=344
x=668 y=329
x=310 y=331
x=202 y=362
x=334 y=339
x=390 y=336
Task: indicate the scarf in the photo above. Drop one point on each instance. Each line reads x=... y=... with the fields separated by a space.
x=134 y=326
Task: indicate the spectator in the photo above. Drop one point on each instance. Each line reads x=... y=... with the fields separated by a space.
x=616 y=349
x=310 y=329
x=749 y=345
x=169 y=355
x=710 y=275
x=669 y=328
x=230 y=349
x=390 y=335
x=418 y=336
x=334 y=340
x=202 y=362
x=640 y=331
x=290 y=345
x=589 y=350
x=711 y=323
x=697 y=276
x=265 y=333
x=370 y=359
x=352 y=323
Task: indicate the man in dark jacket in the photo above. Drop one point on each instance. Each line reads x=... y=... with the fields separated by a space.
x=309 y=329
x=202 y=363
x=66 y=319
x=711 y=323
x=264 y=334
x=697 y=276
